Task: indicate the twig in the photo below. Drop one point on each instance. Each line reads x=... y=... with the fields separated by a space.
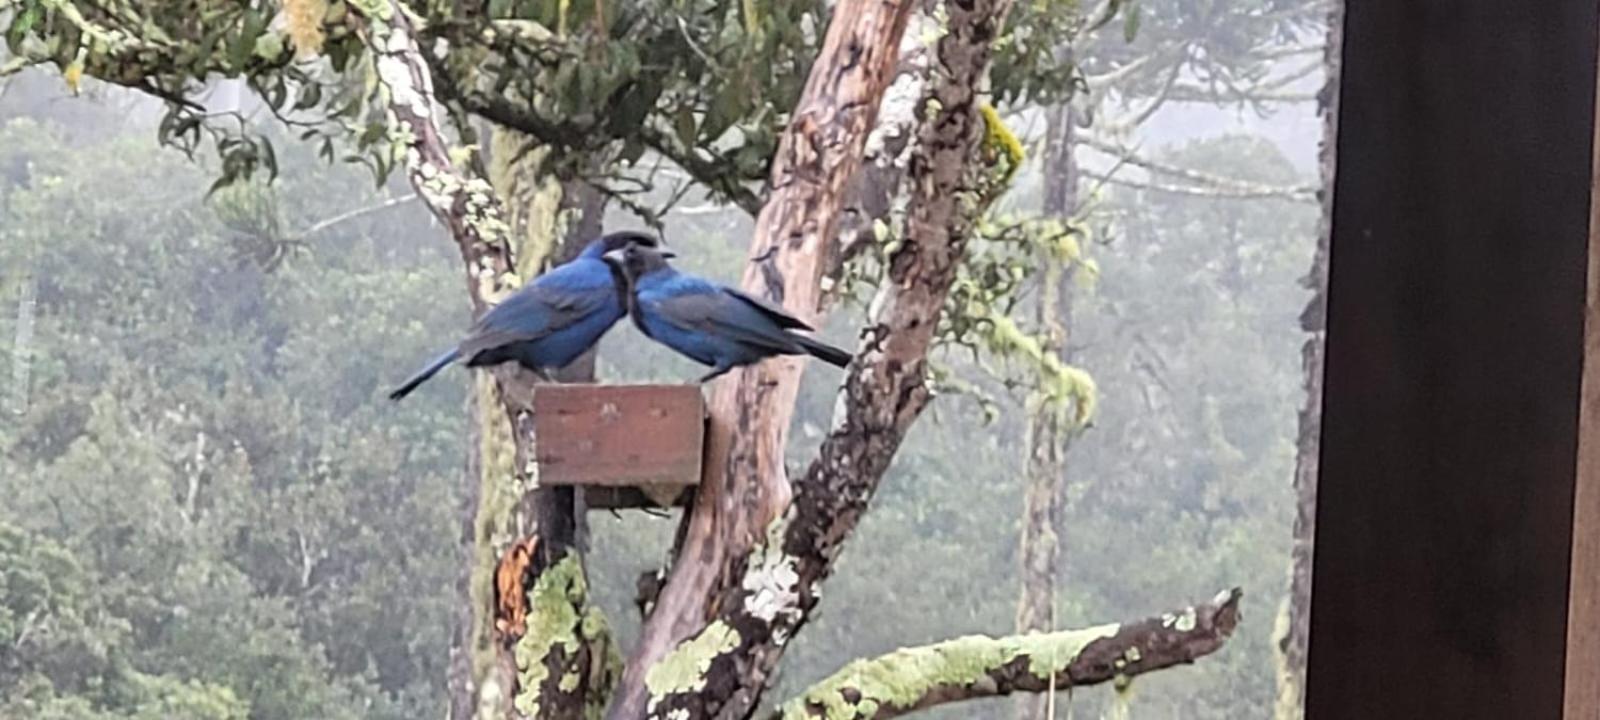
x=351 y=215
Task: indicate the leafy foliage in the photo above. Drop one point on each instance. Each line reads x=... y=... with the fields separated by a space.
x=228 y=521
x=196 y=473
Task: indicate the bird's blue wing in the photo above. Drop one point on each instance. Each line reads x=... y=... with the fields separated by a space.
x=777 y=313
x=554 y=302
x=722 y=316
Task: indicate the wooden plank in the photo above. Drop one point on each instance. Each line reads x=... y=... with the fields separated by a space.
x=619 y=435
x=1455 y=347
x=1583 y=604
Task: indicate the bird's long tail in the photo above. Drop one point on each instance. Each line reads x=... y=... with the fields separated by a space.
x=824 y=352
x=422 y=375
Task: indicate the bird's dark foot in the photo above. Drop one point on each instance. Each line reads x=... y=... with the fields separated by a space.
x=708 y=377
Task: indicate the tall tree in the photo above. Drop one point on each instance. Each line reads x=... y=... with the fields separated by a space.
x=1049 y=433
x=1181 y=53
x=756 y=547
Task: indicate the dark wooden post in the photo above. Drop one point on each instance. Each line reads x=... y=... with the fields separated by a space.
x=1445 y=564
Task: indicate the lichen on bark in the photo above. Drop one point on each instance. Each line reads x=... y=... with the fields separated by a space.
x=904 y=679
x=685 y=668
x=559 y=620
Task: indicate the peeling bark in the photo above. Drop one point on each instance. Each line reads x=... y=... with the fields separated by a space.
x=1294 y=634
x=871 y=194
x=745 y=486
x=535 y=647
x=966 y=668
x=885 y=391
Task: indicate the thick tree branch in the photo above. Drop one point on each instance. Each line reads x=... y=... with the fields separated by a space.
x=721 y=671
x=966 y=668
x=745 y=486
x=870 y=199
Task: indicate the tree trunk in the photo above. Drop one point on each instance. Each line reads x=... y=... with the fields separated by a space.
x=1050 y=434
x=535 y=648
x=1294 y=631
x=745 y=487
x=22 y=342
x=721 y=671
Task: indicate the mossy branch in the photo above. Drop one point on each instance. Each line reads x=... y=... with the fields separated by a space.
x=913 y=679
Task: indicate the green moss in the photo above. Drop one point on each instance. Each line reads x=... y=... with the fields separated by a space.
x=493 y=523
x=684 y=669
x=901 y=678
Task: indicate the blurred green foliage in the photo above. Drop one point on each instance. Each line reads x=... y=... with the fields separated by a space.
x=211 y=512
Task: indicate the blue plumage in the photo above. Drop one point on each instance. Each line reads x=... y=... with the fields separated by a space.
x=709 y=323
x=551 y=321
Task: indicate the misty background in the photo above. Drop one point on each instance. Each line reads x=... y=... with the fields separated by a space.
x=208 y=498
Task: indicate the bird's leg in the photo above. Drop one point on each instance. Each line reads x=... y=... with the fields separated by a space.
x=720 y=369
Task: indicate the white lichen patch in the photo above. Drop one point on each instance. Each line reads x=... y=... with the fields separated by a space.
x=771 y=583
x=1182 y=622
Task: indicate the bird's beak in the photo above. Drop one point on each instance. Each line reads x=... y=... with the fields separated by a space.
x=614 y=257
x=668 y=254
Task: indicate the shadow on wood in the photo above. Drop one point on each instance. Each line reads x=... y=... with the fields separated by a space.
x=628 y=446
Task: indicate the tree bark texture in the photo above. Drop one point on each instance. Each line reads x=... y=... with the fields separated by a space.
x=721 y=670
x=1294 y=632
x=870 y=196
x=914 y=679
x=545 y=655
x=745 y=486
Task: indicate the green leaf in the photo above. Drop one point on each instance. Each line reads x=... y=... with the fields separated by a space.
x=244 y=44
x=684 y=126
x=310 y=95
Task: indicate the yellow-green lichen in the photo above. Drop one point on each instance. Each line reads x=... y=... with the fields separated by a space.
x=905 y=676
x=553 y=622
x=684 y=669
x=1001 y=148
x=1062 y=386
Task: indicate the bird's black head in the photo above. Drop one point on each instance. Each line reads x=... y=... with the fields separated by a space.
x=618 y=240
x=634 y=260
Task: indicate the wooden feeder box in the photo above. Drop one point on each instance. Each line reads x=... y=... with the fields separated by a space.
x=626 y=446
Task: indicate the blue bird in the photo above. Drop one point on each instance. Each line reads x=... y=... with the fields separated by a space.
x=710 y=324
x=549 y=322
